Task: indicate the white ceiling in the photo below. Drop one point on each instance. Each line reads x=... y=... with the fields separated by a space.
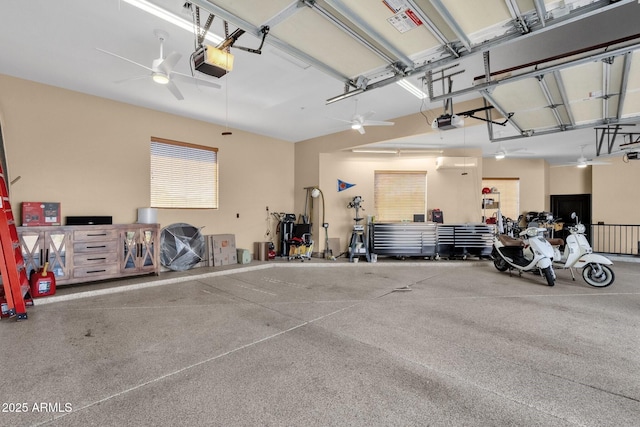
x=279 y=95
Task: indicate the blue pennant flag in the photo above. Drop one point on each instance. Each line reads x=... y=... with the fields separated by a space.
x=343 y=185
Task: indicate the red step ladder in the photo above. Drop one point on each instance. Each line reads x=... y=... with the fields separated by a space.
x=15 y=284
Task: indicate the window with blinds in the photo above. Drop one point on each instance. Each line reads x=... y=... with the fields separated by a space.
x=183 y=175
x=509 y=189
x=398 y=195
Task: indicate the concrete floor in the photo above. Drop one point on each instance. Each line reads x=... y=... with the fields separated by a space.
x=326 y=343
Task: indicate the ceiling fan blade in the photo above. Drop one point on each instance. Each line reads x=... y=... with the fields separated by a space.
x=169 y=62
x=174 y=90
x=377 y=123
x=361 y=130
x=124 y=59
x=341 y=120
x=146 y=76
x=368 y=114
x=194 y=80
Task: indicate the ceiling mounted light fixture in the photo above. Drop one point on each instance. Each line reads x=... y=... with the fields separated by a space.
x=411 y=89
x=374 y=151
x=169 y=17
x=160 y=78
x=500 y=155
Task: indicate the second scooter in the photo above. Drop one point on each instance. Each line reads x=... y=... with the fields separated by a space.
x=578 y=254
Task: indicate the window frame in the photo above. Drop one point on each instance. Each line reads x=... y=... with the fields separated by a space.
x=400 y=215
x=163 y=179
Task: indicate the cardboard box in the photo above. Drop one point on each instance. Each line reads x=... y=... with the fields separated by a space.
x=224 y=242
x=223 y=249
x=224 y=259
x=40 y=213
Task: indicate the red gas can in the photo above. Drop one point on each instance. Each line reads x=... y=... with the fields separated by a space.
x=42 y=282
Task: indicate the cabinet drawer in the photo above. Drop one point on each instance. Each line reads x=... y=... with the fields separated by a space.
x=87 y=247
x=95 y=258
x=89 y=271
x=95 y=234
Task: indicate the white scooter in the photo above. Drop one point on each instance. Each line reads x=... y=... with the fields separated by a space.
x=578 y=254
x=531 y=252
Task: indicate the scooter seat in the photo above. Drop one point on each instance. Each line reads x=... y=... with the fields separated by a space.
x=510 y=241
x=556 y=241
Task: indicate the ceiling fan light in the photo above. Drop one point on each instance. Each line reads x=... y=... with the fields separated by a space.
x=500 y=155
x=160 y=78
x=582 y=165
x=356 y=125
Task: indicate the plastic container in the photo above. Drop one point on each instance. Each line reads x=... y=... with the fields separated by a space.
x=42 y=283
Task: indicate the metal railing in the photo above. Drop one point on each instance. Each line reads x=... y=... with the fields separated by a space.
x=618 y=239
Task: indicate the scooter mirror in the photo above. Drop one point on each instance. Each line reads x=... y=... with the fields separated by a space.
x=573 y=215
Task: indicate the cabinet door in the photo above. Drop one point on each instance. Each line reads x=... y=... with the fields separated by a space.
x=130 y=249
x=139 y=247
x=148 y=259
x=57 y=248
x=32 y=244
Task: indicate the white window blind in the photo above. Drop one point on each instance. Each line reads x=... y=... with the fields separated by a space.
x=399 y=195
x=183 y=175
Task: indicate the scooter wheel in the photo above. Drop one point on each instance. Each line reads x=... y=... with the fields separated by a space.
x=500 y=263
x=548 y=274
x=598 y=277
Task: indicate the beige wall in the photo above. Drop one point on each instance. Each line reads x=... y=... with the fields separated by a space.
x=570 y=180
x=92 y=155
x=457 y=195
x=616 y=198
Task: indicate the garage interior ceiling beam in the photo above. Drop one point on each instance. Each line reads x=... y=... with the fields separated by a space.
x=541 y=11
x=606 y=80
x=452 y=23
x=540 y=71
x=563 y=95
x=433 y=29
x=552 y=105
x=344 y=10
x=487 y=95
x=519 y=21
x=448 y=46
x=272 y=40
x=626 y=66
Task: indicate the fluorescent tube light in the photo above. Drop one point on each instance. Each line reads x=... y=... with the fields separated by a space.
x=363 y=150
x=169 y=17
x=412 y=89
x=344 y=96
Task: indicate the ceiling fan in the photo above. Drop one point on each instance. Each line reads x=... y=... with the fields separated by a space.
x=501 y=153
x=359 y=121
x=583 y=162
x=161 y=70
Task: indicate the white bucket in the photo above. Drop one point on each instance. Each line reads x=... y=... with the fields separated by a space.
x=147 y=216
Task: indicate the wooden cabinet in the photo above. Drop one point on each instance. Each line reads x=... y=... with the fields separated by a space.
x=92 y=252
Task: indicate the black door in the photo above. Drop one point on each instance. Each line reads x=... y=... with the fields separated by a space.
x=563 y=205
